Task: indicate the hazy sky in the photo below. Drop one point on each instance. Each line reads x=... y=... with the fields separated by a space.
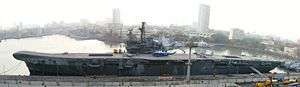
x=268 y=17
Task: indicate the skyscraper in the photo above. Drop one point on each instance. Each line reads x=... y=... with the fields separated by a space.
x=116 y=16
x=116 y=25
x=203 y=17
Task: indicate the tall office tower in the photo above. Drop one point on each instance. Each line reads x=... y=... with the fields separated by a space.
x=116 y=26
x=203 y=17
x=116 y=16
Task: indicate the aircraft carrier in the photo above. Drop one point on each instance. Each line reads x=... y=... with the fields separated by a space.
x=144 y=57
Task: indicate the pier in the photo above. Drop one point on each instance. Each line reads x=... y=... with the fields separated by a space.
x=132 y=81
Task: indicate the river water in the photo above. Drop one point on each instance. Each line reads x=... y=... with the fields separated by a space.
x=49 y=44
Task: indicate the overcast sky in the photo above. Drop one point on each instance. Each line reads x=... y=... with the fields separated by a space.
x=267 y=17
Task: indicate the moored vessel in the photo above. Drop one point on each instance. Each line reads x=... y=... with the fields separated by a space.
x=144 y=57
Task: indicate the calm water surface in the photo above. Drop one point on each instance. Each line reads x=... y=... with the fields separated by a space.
x=49 y=44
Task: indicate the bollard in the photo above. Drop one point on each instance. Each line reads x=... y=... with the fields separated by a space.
x=29 y=82
x=87 y=84
x=57 y=83
x=43 y=83
x=72 y=83
x=4 y=82
x=121 y=84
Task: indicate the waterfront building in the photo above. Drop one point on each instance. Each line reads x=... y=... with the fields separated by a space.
x=236 y=34
x=292 y=51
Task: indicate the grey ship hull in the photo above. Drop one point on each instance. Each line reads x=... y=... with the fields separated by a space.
x=80 y=65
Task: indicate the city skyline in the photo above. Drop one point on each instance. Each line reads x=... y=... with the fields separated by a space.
x=266 y=17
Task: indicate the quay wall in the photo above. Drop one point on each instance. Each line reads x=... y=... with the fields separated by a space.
x=54 y=81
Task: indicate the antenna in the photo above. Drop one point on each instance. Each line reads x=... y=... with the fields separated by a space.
x=142 y=29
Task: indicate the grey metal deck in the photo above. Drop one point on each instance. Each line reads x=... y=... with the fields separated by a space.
x=139 y=56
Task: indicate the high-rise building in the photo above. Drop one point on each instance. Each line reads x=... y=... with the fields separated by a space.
x=203 y=17
x=116 y=16
x=116 y=26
